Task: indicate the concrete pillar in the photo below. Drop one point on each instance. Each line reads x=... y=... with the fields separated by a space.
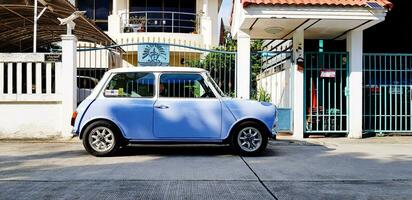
x=243 y=65
x=114 y=20
x=297 y=84
x=206 y=25
x=114 y=7
x=205 y=7
x=68 y=82
x=354 y=45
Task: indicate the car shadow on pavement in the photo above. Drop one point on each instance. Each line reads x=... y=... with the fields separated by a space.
x=187 y=150
x=175 y=150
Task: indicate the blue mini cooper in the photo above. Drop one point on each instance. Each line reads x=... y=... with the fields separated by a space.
x=169 y=105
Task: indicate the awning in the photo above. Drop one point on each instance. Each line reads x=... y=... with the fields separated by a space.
x=320 y=19
x=16 y=25
x=356 y=3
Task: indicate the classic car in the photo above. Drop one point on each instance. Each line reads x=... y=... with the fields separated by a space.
x=169 y=105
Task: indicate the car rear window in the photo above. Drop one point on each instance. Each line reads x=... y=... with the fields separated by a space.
x=131 y=84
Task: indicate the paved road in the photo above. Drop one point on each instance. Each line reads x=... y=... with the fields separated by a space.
x=377 y=168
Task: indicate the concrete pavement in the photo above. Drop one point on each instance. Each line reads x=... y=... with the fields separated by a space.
x=327 y=168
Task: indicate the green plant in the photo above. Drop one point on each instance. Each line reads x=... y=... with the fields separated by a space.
x=263 y=95
x=222 y=65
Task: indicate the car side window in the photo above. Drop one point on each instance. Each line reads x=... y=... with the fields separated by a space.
x=184 y=86
x=131 y=84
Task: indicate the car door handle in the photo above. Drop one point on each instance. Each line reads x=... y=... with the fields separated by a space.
x=162 y=107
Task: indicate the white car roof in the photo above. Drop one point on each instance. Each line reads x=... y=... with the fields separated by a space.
x=157 y=69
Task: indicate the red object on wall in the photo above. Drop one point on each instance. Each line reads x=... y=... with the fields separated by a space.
x=314 y=97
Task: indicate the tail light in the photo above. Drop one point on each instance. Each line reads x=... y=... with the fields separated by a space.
x=74 y=115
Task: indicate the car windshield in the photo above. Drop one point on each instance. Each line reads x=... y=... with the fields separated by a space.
x=210 y=79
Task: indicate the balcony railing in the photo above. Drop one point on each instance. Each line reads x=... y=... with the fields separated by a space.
x=160 y=21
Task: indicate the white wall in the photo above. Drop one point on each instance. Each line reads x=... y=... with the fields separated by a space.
x=31 y=112
x=277 y=84
x=30 y=120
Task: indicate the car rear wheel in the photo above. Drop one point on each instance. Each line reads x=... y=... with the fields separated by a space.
x=249 y=139
x=101 y=139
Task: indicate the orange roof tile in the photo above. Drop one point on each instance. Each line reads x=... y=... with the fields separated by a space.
x=355 y=3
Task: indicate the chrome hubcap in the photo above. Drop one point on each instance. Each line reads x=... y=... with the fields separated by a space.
x=249 y=139
x=101 y=139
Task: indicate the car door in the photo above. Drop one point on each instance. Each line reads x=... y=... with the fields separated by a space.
x=129 y=100
x=186 y=108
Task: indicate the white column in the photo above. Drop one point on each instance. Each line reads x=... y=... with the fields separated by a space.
x=206 y=25
x=354 y=45
x=297 y=84
x=114 y=19
x=205 y=7
x=68 y=82
x=243 y=65
x=114 y=7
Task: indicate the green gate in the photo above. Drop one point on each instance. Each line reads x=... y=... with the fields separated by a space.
x=325 y=99
x=387 y=87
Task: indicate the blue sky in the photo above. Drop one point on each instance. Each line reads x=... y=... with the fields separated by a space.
x=226 y=10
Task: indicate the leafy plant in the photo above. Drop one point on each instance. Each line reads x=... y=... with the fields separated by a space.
x=263 y=95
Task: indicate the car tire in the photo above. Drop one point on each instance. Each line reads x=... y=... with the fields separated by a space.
x=249 y=139
x=102 y=138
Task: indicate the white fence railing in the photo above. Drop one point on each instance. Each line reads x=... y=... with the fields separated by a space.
x=32 y=79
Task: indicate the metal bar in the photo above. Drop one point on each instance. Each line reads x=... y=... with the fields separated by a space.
x=396 y=96
x=405 y=92
x=342 y=92
x=390 y=95
x=401 y=92
x=374 y=100
x=317 y=90
x=370 y=91
x=160 y=43
x=335 y=96
x=35 y=27
x=323 y=100
x=329 y=95
x=385 y=94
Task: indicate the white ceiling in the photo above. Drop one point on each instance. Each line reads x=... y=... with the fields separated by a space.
x=314 y=29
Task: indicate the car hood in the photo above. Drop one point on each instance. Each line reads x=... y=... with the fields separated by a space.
x=249 y=108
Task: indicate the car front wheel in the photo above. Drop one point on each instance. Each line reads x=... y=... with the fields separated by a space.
x=249 y=139
x=101 y=139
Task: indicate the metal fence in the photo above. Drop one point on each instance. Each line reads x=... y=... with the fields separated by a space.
x=387 y=86
x=160 y=21
x=325 y=99
x=95 y=60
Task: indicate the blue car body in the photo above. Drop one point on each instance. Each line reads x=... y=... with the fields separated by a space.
x=172 y=119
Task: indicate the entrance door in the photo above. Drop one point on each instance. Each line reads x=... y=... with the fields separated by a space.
x=326 y=105
x=186 y=108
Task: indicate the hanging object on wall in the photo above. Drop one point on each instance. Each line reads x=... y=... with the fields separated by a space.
x=300 y=62
x=327 y=73
x=153 y=55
